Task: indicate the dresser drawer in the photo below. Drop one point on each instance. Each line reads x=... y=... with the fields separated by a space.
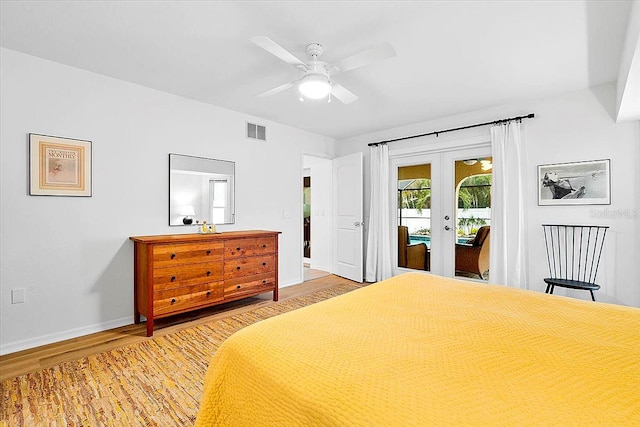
x=186 y=298
x=249 y=285
x=249 y=247
x=182 y=275
x=240 y=267
x=186 y=253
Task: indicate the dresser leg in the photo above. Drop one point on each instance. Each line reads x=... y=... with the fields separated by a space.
x=275 y=294
x=149 y=327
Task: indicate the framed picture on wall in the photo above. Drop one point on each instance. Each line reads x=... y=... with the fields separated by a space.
x=59 y=166
x=576 y=183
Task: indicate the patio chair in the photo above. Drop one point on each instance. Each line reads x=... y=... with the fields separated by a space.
x=474 y=258
x=415 y=255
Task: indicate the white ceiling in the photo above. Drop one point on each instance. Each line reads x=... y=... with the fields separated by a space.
x=452 y=57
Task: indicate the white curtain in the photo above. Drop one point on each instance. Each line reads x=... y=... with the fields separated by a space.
x=508 y=265
x=379 y=264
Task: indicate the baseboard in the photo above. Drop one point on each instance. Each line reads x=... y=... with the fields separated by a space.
x=289 y=283
x=65 y=335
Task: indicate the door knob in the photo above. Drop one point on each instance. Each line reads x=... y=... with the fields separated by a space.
x=358 y=224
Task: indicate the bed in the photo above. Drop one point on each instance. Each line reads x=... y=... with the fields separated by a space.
x=420 y=349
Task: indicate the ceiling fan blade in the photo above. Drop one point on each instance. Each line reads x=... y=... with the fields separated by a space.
x=275 y=49
x=377 y=53
x=276 y=90
x=343 y=95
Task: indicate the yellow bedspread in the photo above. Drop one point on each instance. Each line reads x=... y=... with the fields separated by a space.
x=425 y=350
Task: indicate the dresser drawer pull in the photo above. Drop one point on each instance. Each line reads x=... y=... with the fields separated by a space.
x=208 y=273
x=238 y=268
x=208 y=293
x=264 y=282
x=173 y=300
x=209 y=252
x=264 y=263
x=237 y=249
x=264 y=246
x=238 y=287
x=173 y=256
x=173 y=278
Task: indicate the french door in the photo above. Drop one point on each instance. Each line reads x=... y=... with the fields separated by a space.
x=439 y=202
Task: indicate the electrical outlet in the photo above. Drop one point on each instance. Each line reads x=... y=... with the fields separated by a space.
x=17 y=296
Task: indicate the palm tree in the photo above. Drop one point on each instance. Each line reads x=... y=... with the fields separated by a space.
x=416 y=195
x=475 y=192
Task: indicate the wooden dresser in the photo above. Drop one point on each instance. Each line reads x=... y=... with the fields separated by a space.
x=182 y=272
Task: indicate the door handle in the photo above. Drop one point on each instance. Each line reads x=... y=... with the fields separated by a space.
x=358 y=224
x=446 y=227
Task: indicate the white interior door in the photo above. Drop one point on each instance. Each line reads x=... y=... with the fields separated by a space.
x=348 y=224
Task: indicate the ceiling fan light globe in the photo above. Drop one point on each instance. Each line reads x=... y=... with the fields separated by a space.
x=315 y=86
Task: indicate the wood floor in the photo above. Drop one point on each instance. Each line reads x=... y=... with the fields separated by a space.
x=15 y=364
x=311 y=274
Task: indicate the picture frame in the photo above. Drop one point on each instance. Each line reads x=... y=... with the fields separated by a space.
x=59 y=166
x=575 y=183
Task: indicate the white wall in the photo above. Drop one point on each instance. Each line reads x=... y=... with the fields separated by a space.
x=321 y=207
x=572 y=127
x=72 y=255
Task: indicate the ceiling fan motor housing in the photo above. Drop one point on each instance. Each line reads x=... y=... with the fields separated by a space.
x=314 y=49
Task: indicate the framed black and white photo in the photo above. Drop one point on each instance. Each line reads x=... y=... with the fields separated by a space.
x=576 y=183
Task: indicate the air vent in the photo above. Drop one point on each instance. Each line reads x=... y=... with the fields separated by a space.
x=255 y=131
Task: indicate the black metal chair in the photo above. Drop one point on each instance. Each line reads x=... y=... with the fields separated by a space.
x=573 y=254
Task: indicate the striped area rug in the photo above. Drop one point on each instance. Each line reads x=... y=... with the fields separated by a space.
x=154 y=383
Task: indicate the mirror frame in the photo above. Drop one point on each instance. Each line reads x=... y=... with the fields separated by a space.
x=205 y=166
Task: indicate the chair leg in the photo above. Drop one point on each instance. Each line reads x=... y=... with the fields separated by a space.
x=551 y=290
x=548 y=287
x=593 y=298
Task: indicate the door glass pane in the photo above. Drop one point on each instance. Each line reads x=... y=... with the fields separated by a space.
x=414 y=216
x=473 y=217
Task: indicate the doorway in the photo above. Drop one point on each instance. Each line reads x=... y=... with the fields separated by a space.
x=306 y=217
x=316 y=217
x=442 y=209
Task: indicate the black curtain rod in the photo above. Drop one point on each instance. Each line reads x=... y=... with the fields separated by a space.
x=436 y=133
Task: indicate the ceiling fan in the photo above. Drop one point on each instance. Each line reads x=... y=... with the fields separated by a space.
x=316 y=80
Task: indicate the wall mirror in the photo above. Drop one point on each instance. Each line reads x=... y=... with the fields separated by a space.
x=201 y=189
